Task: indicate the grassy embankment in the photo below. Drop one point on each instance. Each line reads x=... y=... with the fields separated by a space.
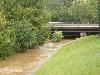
x=81 y=57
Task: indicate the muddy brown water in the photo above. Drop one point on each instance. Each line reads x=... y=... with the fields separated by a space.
x=28 y=62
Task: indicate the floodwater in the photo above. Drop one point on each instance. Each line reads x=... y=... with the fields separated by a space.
x=28 y=62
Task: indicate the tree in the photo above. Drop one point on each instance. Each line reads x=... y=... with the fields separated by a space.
x=84 y=11
x=27 y=18
x=58 y=9
x=74 y=10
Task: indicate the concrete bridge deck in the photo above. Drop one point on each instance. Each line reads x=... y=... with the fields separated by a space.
x=74 y=26
x=74 y=29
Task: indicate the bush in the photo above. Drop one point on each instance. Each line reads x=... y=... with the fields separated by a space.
x=21 y=23
x=25 y=34
x=7 y=38
x=7 y=41
x=57 y=36
x=42 y=36
x=28 y=36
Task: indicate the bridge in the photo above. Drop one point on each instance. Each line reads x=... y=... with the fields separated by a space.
x=74 y=29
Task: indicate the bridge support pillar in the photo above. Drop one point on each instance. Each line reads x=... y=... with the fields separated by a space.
x=82 y=34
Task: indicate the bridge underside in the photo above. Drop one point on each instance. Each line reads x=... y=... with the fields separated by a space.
x=76 y=32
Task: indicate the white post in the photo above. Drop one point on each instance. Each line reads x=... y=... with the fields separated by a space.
x=82 y=34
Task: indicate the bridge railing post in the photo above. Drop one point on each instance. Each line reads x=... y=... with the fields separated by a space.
x=82 y=34
x=78 y=25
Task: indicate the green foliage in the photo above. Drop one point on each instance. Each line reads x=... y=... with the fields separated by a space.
x=84 y=11
x=57 y=36
x=74 y=10
x=21 y=25
x=28 y=36
x=42 y=36
x=25 y=35
x=7 y=42
x=7 y=38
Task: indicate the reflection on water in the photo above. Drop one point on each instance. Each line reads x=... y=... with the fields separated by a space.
x=28 y=62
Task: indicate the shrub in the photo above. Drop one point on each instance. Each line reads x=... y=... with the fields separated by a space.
x=7 y=41
x=25 y=35
x=57 y=36
x=21 y=27
x=7 y=38
x=28 y=36
x=42 y=36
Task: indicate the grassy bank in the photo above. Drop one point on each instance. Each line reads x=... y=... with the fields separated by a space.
x=81 y=57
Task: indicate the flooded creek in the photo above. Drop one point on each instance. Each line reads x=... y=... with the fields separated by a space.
x=26 y=63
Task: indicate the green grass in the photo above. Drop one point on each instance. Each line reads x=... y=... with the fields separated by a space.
x=81 y=57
